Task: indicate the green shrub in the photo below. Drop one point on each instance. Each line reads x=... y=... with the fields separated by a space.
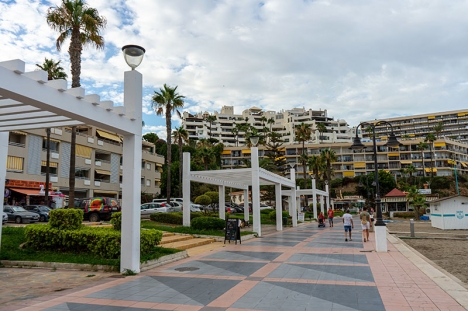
x=338 y=213
x=207 y=223
x=265 y=211
x=116 y=220
x=66 y=218
x=272 y=214
x=203 y=200
x=168 y=218
x=102 y=242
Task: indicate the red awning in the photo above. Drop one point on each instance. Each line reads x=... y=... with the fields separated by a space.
x=28 y=191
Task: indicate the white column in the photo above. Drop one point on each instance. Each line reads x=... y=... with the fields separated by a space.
x=327 y=198
x=293 y=208
x=314 y=198
x=279 y=210
x=186 y=189
x=380 y=238
x=3 y=163
x=131 y=190
x=321 y=204
x=222 y=202
x=246 y=204
x=255 y=192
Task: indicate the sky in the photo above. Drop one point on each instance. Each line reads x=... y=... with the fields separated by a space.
x=359 y=60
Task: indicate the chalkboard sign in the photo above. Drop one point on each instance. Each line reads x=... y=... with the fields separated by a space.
x=232 y=232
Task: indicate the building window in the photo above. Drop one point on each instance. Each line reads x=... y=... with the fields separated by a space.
x=54 y=145
x=15 y=164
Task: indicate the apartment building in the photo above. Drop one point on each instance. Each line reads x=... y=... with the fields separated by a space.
x=448 y=155
x=283 y=122
x=454 y=125
x=98 y=164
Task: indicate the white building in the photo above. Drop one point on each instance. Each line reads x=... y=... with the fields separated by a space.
x=450 y=212
x=282 y=122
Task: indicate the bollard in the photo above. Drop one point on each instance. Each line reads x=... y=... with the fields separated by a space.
x=412 y=227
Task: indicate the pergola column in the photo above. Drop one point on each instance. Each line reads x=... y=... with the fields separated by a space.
x=328 y=197
x=293 y=209
x=279 y=210
x=3 y=163
x=314 y=197
x=321 y=203
x=246 y=204
x=255 y=192
x=186 y=189
x=222 y=202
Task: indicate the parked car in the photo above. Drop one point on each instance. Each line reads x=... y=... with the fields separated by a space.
x=19 y=215
x=97 y=208
x=150 y=208
x=4 y=217
x=42 y=210
x=235 y=208
x=179 y=202
x=176 y=206
x=264 y=206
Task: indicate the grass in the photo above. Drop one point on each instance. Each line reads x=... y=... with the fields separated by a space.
x=184 y=230
x=13 y=237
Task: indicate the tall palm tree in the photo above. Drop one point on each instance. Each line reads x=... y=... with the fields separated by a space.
x=430 y=138
x=180 y=135
x=210 y=120
x=74 y=19
x=166 y=101
x=438 y=129
x=421 y=147
x=329 y=157
x=303 y=134
x=54 y=72
x=316 y=165
x=410 y=170
x=322 y=129
x=235 y=131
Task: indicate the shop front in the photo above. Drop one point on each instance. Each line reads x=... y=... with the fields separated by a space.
x=26 y=192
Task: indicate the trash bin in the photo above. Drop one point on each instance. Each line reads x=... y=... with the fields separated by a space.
x=285 y=221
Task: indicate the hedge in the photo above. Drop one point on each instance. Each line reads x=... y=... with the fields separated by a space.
x=411 y=214
x=273 y=214
x=102 y=242
x=66 y=218
x=207 y=223
x=173 y=218
x=116 y=220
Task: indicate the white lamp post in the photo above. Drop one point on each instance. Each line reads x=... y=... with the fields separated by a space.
x=132 y=153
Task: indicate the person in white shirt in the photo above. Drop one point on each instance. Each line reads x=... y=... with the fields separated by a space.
x=348 y=225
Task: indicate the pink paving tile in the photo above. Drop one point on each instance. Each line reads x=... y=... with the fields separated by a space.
x=188 y=308
x=265 y=270
x=144 y=304
x=233 y=294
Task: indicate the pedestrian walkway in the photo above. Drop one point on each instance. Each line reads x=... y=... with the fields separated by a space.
x=302 y=268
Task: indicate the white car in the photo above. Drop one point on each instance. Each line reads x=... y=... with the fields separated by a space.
x=264 y=206
x=4 y=217
x=151 y=208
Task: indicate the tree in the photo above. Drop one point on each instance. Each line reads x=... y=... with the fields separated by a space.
x=329 y=157
x=411 y=195
x=273 y=146
x=430 y=138
x=151 y=137
x=235 y=131
x=421 y=147
x=180 y=135
x=303 y=134
x=418 y=202
x=74 y=19
x=438 y=129
x=322 y=129
x=410 y=170
x=210 y=120
x=54 y=72
x=166 y=101
x=316 y=165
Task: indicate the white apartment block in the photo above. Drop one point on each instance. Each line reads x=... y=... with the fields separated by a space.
x=285 y=122
x=98 y=164
x=455 y=125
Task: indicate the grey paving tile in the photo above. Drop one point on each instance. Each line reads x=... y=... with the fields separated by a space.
x=234 y=255
x=71 y=306
x=337 y=245
x=329 y=258
x=226 y=268
x=260 y=242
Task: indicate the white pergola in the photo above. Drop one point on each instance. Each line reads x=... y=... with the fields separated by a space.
x=28 y=101
x=241 y=179
x=315 y=192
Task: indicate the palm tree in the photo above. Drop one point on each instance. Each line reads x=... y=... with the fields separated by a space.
x=316 y=165
x=206 y=155
x=210 y=120
x=303 y=134
x=410 y=170
x=438 y=129
x=54 y=72
x=421 y=147
x=74 y=19
x=418 y=202
x=270 y=122
x=166 y=101
x=430 y=138
x=329 y=157
x=322 y=129
x=180 y=135
x=235 y=131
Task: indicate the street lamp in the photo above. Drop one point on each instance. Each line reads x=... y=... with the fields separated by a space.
x=380 y=228
x=133 y=55
x=254 y=140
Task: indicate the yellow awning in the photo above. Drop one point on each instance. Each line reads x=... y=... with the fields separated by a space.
x=104 y=191
x=228 y=152
x=359 y=164
x=83 y=151
x=102 y=172
x=411 y=135
x=18 y=132
x=15 y=163
x=451 y=162
x=462 y=114
x=108 y=136
x=245 y=151
x=431 y=117
x=393 y=154
x=384 y=137
x=439 y=144
x=348 y=174
x=463 y=164
x=406 y=161
x=280 y=158
x=51 y=164
x=51 y=139
x=281 y=149
x=428 y=169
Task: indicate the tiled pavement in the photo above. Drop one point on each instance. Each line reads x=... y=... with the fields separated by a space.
x=304 y=268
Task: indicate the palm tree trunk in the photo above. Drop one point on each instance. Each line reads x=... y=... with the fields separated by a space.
x=432 y=163
x=422 y=158
x=71 y=176
x=47 y=178
x=168 y=153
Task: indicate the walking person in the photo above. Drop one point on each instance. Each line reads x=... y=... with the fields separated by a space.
x=365 y=223
x=331 y=214
x=348 y=225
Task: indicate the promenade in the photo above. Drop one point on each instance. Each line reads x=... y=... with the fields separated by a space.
x=302 y=268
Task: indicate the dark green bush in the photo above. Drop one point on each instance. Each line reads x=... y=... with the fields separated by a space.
x=116 y=220
x=272 y=214
x=102 y=242
x=207 y=223
x=411 y=214
x=66 y=218
x=167 y=218
x=338 y=213
x=265 y=211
